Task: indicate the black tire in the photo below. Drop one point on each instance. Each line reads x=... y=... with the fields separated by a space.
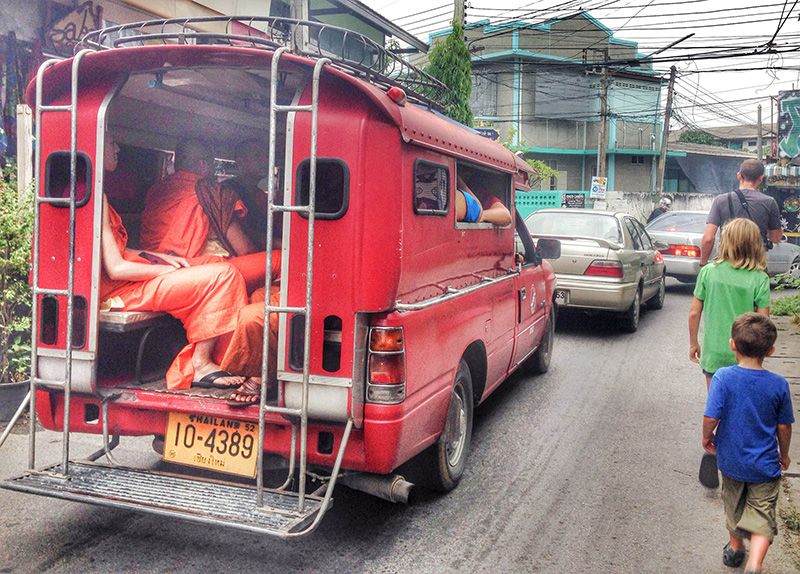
x=442 y=465
x=630 y=319
x=539 y=362
x=657 y=302
x=794 y=268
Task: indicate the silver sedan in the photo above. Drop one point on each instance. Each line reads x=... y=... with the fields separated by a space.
x=608 y=262
x=683 y=231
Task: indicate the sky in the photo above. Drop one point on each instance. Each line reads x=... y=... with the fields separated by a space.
x=709 y=92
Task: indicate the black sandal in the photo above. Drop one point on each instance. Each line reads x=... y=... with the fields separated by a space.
x=208 y=382
x=732 y=558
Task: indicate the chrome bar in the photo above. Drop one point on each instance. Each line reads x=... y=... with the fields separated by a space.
x=282 y=411
x=53 y=200
x=107 y=447
x=37 y=185
x=73 y=179
x=291 y=208
x=295 y=310
x=331 y=484
x=64 y=108
x=292 y=453
x=37 y=382
x=451 y=294
x=40 y=291
x=305 y=108
x=13 y=421
x=273 y=93
x=312 y=200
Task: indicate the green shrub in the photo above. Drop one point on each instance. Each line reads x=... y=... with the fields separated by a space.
x=789 y=305
x=16 y=224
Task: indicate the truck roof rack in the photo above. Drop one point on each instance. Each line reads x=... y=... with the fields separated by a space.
x=348 y=51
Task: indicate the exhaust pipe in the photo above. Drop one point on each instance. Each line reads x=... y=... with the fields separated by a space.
x=391 y=487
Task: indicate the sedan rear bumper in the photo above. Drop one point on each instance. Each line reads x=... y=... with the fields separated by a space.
x=596 y=293
x=682 y=267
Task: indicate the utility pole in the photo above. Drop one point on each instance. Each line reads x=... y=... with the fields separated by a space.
x=662 y=158
x=602 y=144
x=460 y=12
x=758 y=139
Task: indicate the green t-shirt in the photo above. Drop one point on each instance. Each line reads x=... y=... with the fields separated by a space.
x=726 y=293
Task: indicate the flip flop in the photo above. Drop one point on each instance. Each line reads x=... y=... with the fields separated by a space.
x=208 y=382
x=708 y=475
x=251 y=389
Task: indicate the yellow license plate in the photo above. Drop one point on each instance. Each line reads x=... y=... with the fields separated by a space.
x=212 y=443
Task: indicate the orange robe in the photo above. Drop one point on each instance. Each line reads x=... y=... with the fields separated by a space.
x=173 y=221
x=244 y=353
x=205 y=298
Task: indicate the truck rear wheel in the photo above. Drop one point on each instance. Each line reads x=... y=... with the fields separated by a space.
x=539 y=362
x=444 y=462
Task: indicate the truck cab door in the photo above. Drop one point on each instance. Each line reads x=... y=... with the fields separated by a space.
x=532 y=296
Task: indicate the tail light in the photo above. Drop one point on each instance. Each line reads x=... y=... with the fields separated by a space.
x=682 y=250
x=604 y=268
x=386 y=376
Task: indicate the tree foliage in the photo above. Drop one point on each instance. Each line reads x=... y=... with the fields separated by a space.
x=543 y=171
x=450 y=63
x=16 y=224
x=698 y=137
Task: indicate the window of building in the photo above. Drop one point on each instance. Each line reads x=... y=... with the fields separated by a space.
x=431 y=188
x=637 y=159
x=552 y=164
x=332 y=188
x=752 y=143
x=483 y=100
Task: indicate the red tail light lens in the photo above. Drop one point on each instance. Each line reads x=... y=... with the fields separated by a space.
x=386 y=340
x=604 y=268
x=682 y=250
x=387 y=369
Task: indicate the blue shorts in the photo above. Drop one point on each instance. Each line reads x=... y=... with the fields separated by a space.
x=473 y=208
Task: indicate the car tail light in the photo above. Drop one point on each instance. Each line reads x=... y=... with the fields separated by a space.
x=682 y=250
x=386 y=376
x=604 y=268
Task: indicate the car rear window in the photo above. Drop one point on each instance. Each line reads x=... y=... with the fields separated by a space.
x=681 y=222
x=594 y=225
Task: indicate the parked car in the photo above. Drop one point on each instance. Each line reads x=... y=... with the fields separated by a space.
x=608 y=262
x=682 y=231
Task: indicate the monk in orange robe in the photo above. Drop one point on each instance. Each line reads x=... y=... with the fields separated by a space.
x=245 y=351
x=205 y=298
x=174 y=220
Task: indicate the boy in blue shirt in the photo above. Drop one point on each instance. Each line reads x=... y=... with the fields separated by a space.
x=750 y=409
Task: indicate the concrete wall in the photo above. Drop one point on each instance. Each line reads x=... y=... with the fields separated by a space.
x=640 y=204
x=21 y=17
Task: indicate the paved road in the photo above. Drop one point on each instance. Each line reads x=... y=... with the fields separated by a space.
x=589 y=468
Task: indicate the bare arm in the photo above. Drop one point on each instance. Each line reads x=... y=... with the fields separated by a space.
x=709 y=426
x=695 y=311
x=775 y=235
x=763 y=311
x=497 y=214
x=239 y=239
x=707 y=245
x=119 y=268
x=784 y=440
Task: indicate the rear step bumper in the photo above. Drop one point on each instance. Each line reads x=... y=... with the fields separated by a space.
x=194 y=499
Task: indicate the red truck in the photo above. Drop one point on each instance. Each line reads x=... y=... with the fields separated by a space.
x=396 y=320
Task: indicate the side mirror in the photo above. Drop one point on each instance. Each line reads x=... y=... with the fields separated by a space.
x=548 y=248
x=660 y=245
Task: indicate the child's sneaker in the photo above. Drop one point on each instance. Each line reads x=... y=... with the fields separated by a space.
x=708 y=471
x=731 y=557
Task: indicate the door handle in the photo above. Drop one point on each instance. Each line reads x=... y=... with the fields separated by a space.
x=522 y=293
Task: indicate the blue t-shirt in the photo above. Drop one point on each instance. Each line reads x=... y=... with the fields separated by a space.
x=750 y=404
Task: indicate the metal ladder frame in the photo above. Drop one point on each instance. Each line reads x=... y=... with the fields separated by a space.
x=310 y=211
x=69 y=292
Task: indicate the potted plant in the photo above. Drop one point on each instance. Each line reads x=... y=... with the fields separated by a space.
x=16 y=223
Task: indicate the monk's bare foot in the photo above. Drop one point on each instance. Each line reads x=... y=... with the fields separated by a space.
x=211 y=376
x=249 y=393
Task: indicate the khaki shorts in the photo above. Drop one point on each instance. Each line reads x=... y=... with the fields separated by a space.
x=750 y=507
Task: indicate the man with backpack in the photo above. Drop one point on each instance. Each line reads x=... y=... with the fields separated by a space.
x=745 y=202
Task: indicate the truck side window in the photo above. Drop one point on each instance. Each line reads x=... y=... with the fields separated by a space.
x=57 y=176
x=431 y=188
x=332 y=190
